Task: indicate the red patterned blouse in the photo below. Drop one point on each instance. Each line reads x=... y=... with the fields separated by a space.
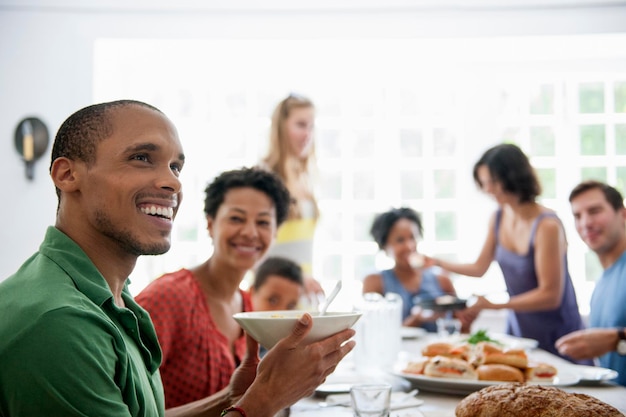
x=197 y=361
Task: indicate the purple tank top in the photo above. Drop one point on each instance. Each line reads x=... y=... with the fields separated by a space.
x=520 y=276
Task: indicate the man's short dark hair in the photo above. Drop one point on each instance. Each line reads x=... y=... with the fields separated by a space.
x=612 y=195
x=80 y=134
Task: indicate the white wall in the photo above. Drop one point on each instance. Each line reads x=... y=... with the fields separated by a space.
x=46 y=53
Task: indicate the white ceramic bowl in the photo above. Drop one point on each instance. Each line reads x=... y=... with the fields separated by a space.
x=268 y=327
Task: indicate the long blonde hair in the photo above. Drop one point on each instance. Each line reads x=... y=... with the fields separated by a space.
x=276 y=158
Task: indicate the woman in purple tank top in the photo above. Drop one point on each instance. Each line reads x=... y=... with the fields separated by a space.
x=528 y=242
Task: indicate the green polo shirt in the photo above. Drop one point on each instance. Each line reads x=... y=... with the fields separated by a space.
x=66 y=349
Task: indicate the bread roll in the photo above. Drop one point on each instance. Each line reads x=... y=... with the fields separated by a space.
x=487 y=353
x=461 y=351
x=441 y=366
x=499 y=372
x=515 y=400
x=416 y=366
x=540 y=372
x=437 y=349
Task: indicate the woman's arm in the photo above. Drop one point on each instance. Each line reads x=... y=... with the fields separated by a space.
x=446 y=284
x=373 y=283
x=482 y=263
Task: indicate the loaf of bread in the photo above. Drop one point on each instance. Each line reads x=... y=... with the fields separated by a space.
x=515 y=400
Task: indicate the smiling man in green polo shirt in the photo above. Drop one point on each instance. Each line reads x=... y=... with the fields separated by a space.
x=72 y=340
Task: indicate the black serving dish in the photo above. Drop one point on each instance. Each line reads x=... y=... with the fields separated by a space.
x=443 y=303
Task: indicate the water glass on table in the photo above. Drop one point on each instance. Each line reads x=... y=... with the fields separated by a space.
x=448 y=326
x=371 y=400
x=378 y=338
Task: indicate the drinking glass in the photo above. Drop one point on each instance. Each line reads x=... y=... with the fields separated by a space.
x=378 y=338
x=448 y=326
x=371 y=400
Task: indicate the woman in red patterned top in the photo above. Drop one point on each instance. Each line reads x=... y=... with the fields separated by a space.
x=192 y=308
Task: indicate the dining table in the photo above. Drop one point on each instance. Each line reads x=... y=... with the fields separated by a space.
x=435 y=402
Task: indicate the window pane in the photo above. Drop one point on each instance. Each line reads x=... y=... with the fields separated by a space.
x=364 y=143
x=412 y=184
x=621 y=179
x=265 y=104
x=542 y=100
x=187 y=232
x=542 y=141
x=362 y=223
x=364 y=185
x=445 y=226
x=591 y=98
x=444 y=142
x=593 y=173
x=512 y=103
x=511 y=135
x=364 y=265
x=330 y=185
x=403 y=102
x=620 y=97
x=620 y=139
x=331 y=267
x=592 y=140
x=547 y=178
x=445 y=183
x=364 y=105
x=326 y=106
x=332 y=226
x=236 y=104
x=411 y=143
x=327 y=143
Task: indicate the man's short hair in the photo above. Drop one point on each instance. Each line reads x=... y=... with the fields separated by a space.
x=80 y=134
x=612 y=195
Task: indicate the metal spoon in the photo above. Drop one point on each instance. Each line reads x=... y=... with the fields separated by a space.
x=330 y=298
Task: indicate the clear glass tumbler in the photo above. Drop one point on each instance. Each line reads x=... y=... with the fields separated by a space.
x=371 y=400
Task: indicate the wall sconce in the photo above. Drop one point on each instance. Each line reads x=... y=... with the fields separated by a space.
x=31 y=142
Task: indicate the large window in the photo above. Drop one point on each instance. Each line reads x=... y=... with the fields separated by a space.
x=399 y=122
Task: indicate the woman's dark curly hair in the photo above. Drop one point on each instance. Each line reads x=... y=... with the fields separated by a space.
x=509 y=166
x=254 y=177
x=383 y=223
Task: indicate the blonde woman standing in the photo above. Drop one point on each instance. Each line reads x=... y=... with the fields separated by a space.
x=291 y=155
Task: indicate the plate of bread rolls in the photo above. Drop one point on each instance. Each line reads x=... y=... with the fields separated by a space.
x=463 y=368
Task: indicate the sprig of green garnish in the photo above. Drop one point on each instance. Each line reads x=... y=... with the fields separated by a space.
x=481 y=336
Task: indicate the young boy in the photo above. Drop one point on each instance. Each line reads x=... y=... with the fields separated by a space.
x=278 y=285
